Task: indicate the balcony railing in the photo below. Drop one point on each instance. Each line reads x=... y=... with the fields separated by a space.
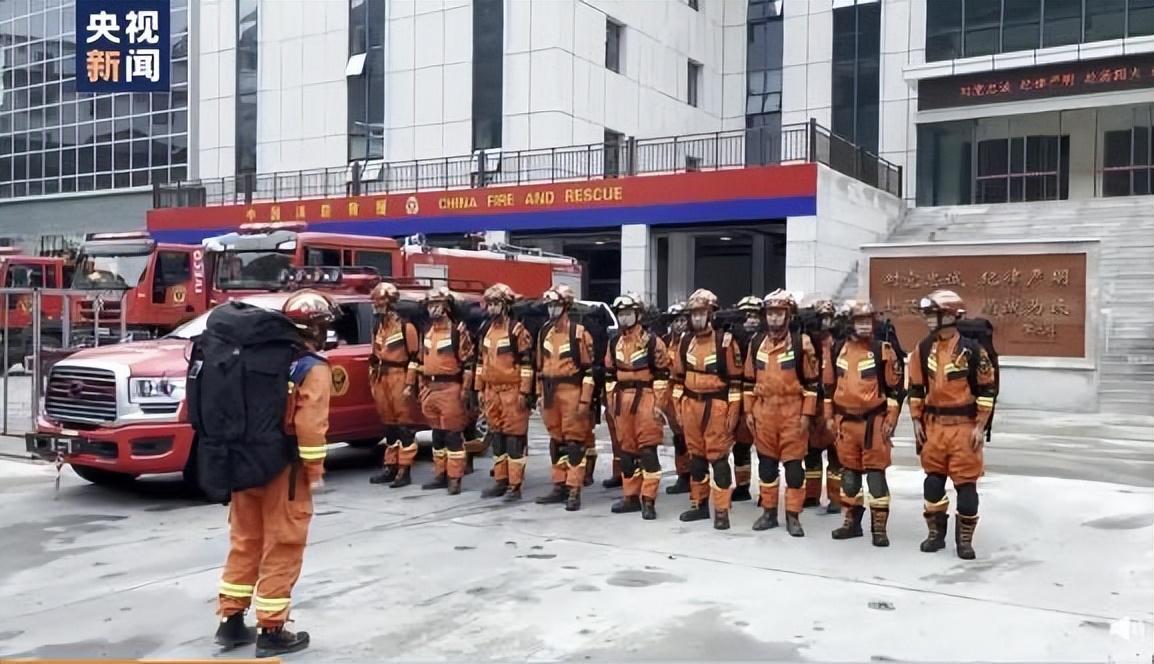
x=736 y=149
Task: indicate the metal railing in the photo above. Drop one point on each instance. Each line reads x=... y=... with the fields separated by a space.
x=742 y=148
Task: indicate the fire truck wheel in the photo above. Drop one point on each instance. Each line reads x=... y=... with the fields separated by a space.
x=103 y=477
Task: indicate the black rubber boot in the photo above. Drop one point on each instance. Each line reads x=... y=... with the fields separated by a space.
x=793 y=524
x=767 y=520
x=438 y=482
x=573 y=502
x=626 y=505
x=513 y=495
x=936 y=523
x=721 y=520
x=233 y=633
x=404 y=478
x=554 y=497
x=964 y=536
x=385 y=476
x=741 y=494
x=280 y=641
x=698 y=512
x=590 y=466
x=879 y=516
x=811 y=502
x=851 y=528
x=454 y=486
x=612 y=483
x=498 y=489
x=680 y=486
x=648 y=509
x=469 y=464
x=833 y=507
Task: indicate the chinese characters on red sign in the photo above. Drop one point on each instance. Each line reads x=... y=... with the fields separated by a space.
x=1036 y=302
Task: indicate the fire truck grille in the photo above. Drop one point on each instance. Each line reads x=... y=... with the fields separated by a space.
x=109 y=310
x=77 y=394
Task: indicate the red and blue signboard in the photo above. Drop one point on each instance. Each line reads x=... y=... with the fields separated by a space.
x=122 y=46
x=738 y=195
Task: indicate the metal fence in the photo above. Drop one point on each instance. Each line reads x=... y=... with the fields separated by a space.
x=741 y=148
x=39 y=327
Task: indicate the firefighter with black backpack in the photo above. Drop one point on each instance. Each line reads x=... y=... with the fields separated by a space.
x=636 y=388
x=393 y=381
x=447 y=375
x=678 y=325
x=821 y=437
x=564 y=356
x=867 y=389
x=505 y=381
x=705 y=363
x=781 y=375
x=953 y=385
x=753 y=324
x=258 y=396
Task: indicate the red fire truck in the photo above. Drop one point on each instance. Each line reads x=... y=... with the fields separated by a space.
x=20 y=272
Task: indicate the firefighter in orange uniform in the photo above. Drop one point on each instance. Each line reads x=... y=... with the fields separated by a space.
x=952 y=393
x=754 y=322
x=637 y=387
x=821 y=437
x=446 y=354
x=564 y=354
x=504 y=378
x=868 y=389
x=393 y=374
x=678 y=324
x=268 y=525
x=705 y=361
x=782 y=377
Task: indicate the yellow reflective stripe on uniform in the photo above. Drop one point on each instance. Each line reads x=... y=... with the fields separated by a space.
x=842 y=363
x=271 y=603
x=986 y=402
x=762 y=356
x=884 y=501
x=414 y=366
x=785 y=357
x=660 y=384
x=444 y=343
x=399 y=336
x=651 y=476
x=748 y=393
x=711 y=358
x=678 y=391
x=809 y=393
x=588 y=380
x=915 y=399
x=932 y=363
x=437 y=453
x=812 y=474
x=866 y=364
x=610 y=385
x=455 y=454
x=951 y=368
x=235 y=590
x=526 y=372
x=562 y=348
x=500 y=457
x=638 y=355
x=772 y=485
x=734 y=396
x=312 y=453
x=892 y=403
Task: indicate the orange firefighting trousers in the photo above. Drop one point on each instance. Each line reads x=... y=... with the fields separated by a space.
x=711 y=440
x=396 y=410
x=507 y=416
x=779 y=438
x=568 y=422
x=949 y=451
x=267 y=536
x=638 y=428
x=821 y=438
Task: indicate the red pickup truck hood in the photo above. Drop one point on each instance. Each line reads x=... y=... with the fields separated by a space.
x=158 y=357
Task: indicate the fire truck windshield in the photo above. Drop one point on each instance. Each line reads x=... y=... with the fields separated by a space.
x=248 y=270
x=108 y=272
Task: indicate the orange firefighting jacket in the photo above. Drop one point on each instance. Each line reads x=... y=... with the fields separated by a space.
x=946 y=391
x=309 y=412
x=771 y=371
x=395 y=346
x=559 y=362
x=446 y=355
x=505 y=356
x=634 y=361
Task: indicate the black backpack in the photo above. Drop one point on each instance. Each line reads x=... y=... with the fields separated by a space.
x=976 y=334
x=238 y=388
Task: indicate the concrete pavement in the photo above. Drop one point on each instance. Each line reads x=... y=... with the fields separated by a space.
x=1064 y=570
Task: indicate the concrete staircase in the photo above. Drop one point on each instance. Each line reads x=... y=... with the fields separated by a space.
x=1125 y=227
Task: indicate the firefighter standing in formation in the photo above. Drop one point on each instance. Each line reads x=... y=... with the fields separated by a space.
x=781 y=374
x=705 y=362
x=867 y=395
x=821 y=436
x=952 y=392
x=678 y=324
x=269 y=525
x=504 y=378
x=564 y=355
x=754 y=322
x=393 y=373
x=637 y=387
x=446 y=354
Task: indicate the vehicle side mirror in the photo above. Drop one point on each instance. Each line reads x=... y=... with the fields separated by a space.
x=331 y=340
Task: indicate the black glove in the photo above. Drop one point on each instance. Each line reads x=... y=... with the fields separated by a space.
x=595 y=408
x=530 y=401
x=472 y=401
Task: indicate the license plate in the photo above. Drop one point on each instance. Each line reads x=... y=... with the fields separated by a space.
x=48 y=446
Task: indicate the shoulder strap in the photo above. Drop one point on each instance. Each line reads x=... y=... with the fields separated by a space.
x=683 y=351
x=302 y=366
x=798 y=356
x=612 y=350
x=651 y=350
x=975 y=349
x=478 y=353
x=575 y=349
x=754 y=347
x=719 y=350
x=542 y=335
x=925 y=347
x=879 y=365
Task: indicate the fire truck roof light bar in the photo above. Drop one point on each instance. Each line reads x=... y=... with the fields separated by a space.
x=133 y=235
x=355 y=278
x=269 y=227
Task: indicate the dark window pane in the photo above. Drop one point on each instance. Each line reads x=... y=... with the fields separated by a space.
x=103 y=181
x=844 y=90
x=1142 y=146
x=993 y=191
x=1105 y=19
x=1116 y=183
x=762 y=138
x=943 y=29
x=993 y=157
x=1020 y=25
x=1141 y=18
x=983 y=19
x=844 y=34
x=612 y=46
x=693 y=79
x=1061 y=22
x=1116 y=149
x=488 y=71
x=246 y=87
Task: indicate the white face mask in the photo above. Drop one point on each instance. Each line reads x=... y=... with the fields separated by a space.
x=678 y=325
x=627 y=318
x=775 y=319
x=751 y=324
x=555 y=311
x=863 y=327
x=699 y=320
x=826 y=323
x=496 y=309
x=436 y=311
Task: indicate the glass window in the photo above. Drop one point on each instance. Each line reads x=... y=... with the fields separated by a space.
x=943 y=29
x=1021 y=25
x=762 y=139
x=693 y=80
x=982 y=21
x=1105 y=19
x=1141 y=18
x=246 y=85
x=381 y=260
x=488 y=73
x=613 y=39
x=1126 y=160
x=318 y=256
x=693 y=5
x=855 y=78
x=1061 y=22
x=614 y=144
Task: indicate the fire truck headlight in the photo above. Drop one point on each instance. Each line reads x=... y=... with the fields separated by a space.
x=156 y=390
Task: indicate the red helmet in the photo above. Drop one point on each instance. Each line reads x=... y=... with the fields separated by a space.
x=312 y=312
